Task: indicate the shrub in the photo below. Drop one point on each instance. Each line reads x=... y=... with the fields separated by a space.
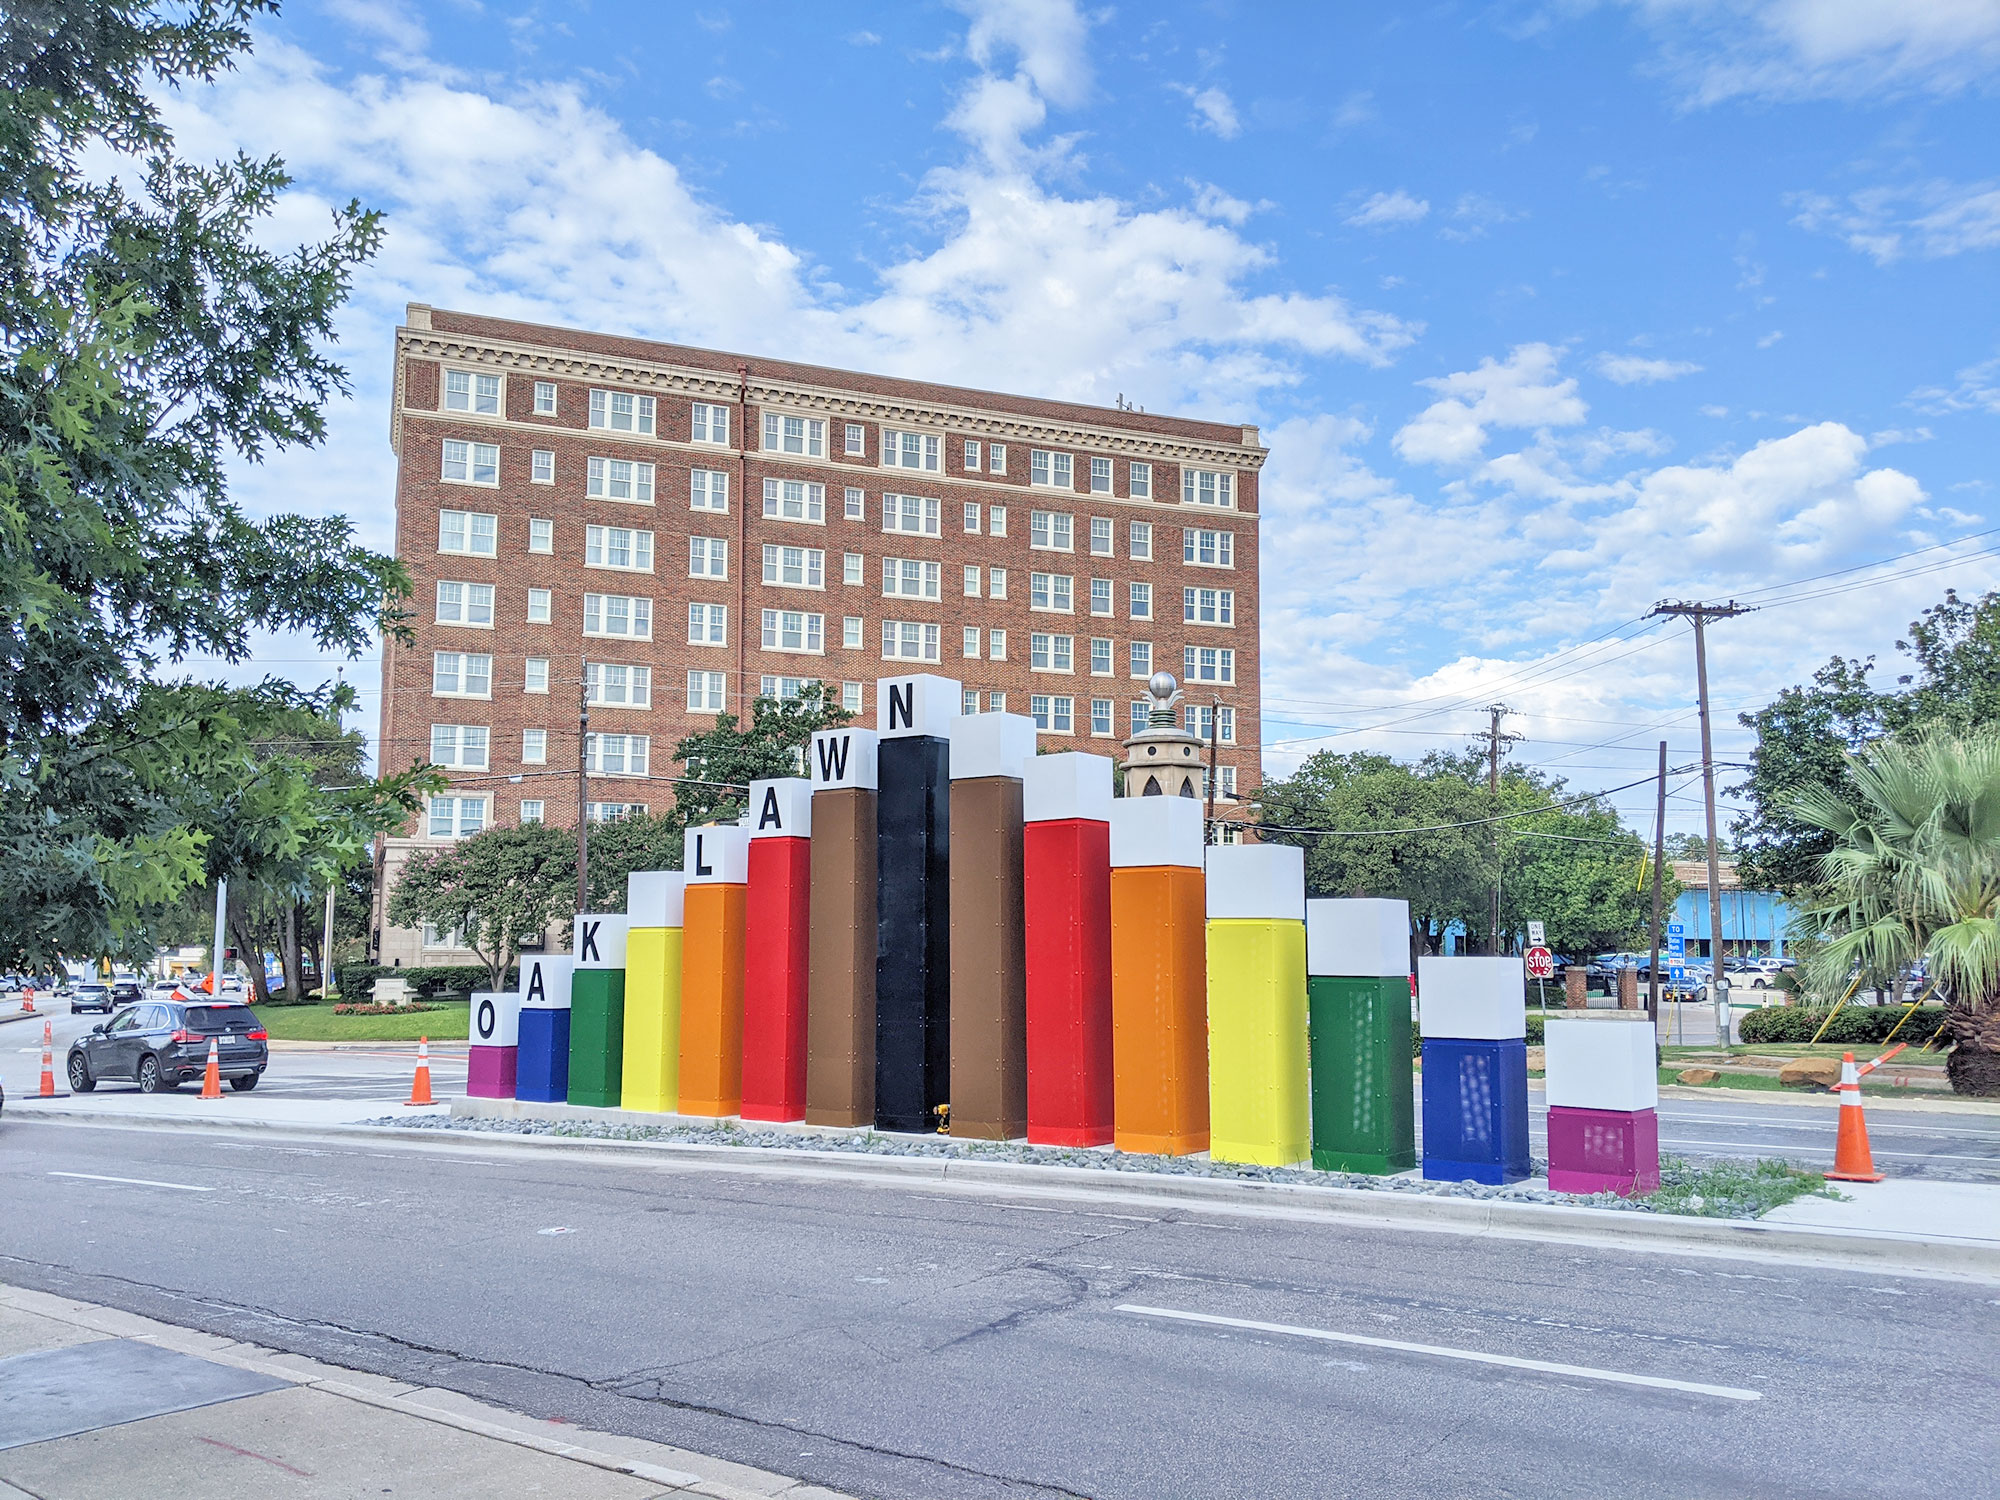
x=1855 y=1025
x=383 y=1010
x=452 y=979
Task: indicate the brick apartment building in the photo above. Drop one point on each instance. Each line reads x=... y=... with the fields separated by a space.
x=692 y=529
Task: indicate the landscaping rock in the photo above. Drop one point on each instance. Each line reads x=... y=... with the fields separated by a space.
x=1698 y=1076
x=1809 y=1072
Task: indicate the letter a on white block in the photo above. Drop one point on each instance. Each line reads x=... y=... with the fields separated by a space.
x=841 y=758
x=780 y=809
x=545 y=980
x=922 y=703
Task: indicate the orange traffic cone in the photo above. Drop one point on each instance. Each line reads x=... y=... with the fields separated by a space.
x=420 y=1086
x=211 y=1076
x=1852 y=1161
x=48 y=1059
x=28 y=1001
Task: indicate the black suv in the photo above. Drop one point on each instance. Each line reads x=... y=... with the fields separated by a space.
x=163 y=1043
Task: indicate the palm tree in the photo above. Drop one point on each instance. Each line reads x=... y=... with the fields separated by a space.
x=1914 y=873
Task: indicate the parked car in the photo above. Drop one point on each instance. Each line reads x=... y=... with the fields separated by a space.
x=92 y=997
x=161 y=1044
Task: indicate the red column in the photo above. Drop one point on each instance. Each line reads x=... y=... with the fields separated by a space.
x=778 y=957
x=1066 y=889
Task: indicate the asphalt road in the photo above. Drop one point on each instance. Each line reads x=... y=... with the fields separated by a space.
x=935 y=1343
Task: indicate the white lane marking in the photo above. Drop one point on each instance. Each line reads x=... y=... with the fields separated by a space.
x=1475 y=1356
x=183 y=1187
x=556 y=1229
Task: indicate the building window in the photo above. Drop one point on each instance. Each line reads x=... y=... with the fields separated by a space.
x=1100 y=536
x=1228 y=773
x=1142 y=658
x=612 y=812
x=909 y=640
x=617 y=754
x=996 y=703
x=1053 y=469
x=545 y=398
x=971 y=588
x=1207 y=487
x=971 y=518
x=909 y=578
x=1141 y=717
x=1208 y=664
x=805 y=436
x=1049 y=531
x=708 y=557
x=1051 y=653
x=1100 y=656
x=970 y=647
x=794 y=630
x=541 y=535
x=711 y=423
x=1057 y=715
x=1100 y=596
x=857 y=503
x=705 y=692
x=618 y=547
x=542 y=467
x=1200 y=720
x=850 y=697
x=541 y=606
x=535 y=674
x=1208 y=549
x=782 y=689
x=914 y=514
x=1139 y=480
x=455 y=818
x=1100 y=715
x=459 y=747
x=619 y=479
x=531 y=809
x=618 y=615
x=794 y=500
x=621 y=411
x=850 y=632
x=996 y=583
x=996 y=458
x=465 y=391
x=708 y=624
x=534 y=748
x=853 y=568
x=1208 y=606
x=794 y=567
x=996 y=520
x=1100 y=476
x=996 y=645
x=1142 y=601
x=461 y=674
x=465 y=604
x=1139 y=540
x=471 y=463
x=971 y=457
x=1038 y=709
x=614 y=686
x=857 y=439
x=1050 y=591
x=968 y=701
x=910 y=450
x=708 y=489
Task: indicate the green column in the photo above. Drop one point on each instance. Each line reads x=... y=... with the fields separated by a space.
x=1363 y=1109
x=597 y=1037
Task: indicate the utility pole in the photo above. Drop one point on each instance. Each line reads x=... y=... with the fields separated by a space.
x=1495 y=741
x=583 y=790
x=1659 y=855
x=1699 y=615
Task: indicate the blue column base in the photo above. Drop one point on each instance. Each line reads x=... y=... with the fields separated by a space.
x=1475 y=1110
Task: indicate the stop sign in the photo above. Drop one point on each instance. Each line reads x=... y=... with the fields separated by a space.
x=1541 y=964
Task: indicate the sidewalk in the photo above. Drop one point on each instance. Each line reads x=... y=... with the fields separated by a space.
x=97 y=1404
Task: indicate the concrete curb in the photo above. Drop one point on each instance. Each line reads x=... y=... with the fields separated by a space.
x=364 y=1046
x=1915 y=1103
x=1855 y=1250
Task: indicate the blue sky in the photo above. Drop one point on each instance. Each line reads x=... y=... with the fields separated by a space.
x=1547 y=311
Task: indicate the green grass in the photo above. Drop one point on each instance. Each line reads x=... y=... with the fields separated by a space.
x=318 y=1023
x=1733 y=1189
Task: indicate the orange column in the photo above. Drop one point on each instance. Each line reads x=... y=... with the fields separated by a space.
x=1159 y=977
x=714 y=926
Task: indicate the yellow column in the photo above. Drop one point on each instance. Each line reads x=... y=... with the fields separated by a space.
x=1257 y=1097
x=653 y=907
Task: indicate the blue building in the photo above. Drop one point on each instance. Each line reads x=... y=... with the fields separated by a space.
x=1754 y=923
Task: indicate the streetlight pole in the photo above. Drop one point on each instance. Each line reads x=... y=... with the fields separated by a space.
x=583 y=791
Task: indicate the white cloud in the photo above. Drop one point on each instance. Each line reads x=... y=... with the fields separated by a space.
x=1978 y=389
x=1048 y=39
x=402 y=33
x=1389 y=211
x=1525 y=390
x=1930 y=221
x=1633 y=369
x=1474 y=214
x=1213 y=111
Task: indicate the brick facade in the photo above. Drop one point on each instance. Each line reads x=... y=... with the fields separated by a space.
x=436 y=349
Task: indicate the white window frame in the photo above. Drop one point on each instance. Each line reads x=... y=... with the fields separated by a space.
x=1139 y=659
x=600 y=540
x=534 y=674
x=787 y=433
x=531 y=810
x=809 y=628
x=852 y=633
x=708 y=491
x=968 y=646
x=996 y=645
x=853 y=570
x=708 y=423
x=635 y=610
x=973 y=575
x=1108 y=654
x=634 y=683
x=1139 y=481
x=541 y=606
x=971 y=455
x=1103 y=529
x=604 y=476
x=1100 y=476
x=855 y=440
x=707 y=550
x=1106 y=590
x=466 y=747
x=634 y=754
x=639 y=412
x=911 y=515
x=461 y=673
x=911 y=640
x=1210 y=608
x=1219 y=545
x=1110 y=718
x=478 y=464
x=708 y=624
x=484 y=395
x=1137 y=595
x=996 y=520
x=810 y=501
x=541 y=534
x=534 y=747
x=782 y=559
x=1212 y=487
x=541 y=466
x=707 y=692
x=904 y=449
x=1055 y=528
x=911 y=578
x=972 y=518
x=545 y=398
x=466 y=599
x=461 y=826
x=1139 y=541
x=1051 y=469
x=996 y=583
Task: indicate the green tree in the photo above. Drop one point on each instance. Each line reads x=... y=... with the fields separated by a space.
x=496 y=889
x=720 y=763
x=149 y=337
x=1913 y=872
x=640 y=842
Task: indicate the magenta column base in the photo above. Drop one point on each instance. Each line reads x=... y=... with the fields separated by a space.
x=1604 y=1151
x=489 y=1072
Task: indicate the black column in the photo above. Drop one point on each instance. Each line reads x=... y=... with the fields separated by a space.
x=913 y=933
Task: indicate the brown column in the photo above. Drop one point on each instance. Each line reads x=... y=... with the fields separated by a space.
x=840 y=991
x=989 y=962
x=1576 y=987
x=1628 y=989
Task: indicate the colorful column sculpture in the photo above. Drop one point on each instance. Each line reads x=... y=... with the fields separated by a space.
x=1358 y=1003
x=840 y=987
x=1474 y=1016
x=491 y=1061
x=1159 y=977
x=1603 y=1094
x=989 y=961
x=776 y=966
x=1066 y=903
x=542 y=1065
x=713 y=929
x=653 y=902
x=913 y=718
x=1257 y=1107
x=597 y=1012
